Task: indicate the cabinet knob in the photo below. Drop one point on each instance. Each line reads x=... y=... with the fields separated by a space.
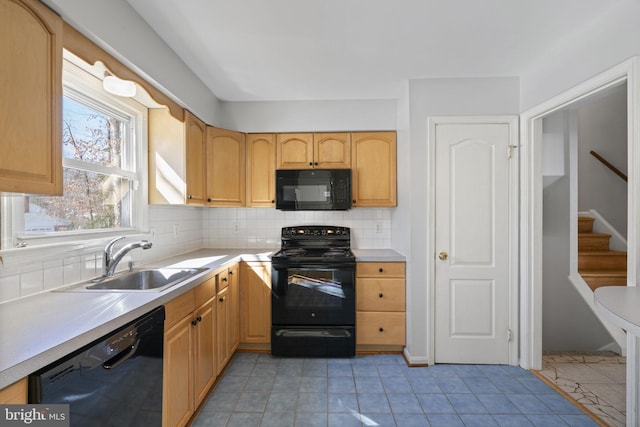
x=222 y=299
x=310 y=163
x=189 y=197
x=231 y=272
x=315 y=163
x=381 y=329
x=209 y=199
x=273 y=201
x=224 y=279
x=380 y=270
x=353 y=201
x=199 y=318
x=380 y=295
x=194 y=322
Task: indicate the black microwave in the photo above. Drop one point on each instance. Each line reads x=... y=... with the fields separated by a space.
x=313 y=189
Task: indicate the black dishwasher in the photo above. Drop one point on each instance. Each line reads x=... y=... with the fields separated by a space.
x=114 y=381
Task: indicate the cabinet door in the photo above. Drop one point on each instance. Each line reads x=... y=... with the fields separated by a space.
x=332 y=150
x=222 y=328
x=295 y=150
x=166 y=158
x=31 y=108
x=205 y=371
x=261 y=170
x=255 y=302
x=225 y=167
x=373 y=164
x=234 y=307
x=177 y=401
x=15 y=393
x=195 y=140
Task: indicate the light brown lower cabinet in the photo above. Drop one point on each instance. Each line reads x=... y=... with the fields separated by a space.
x=15 y=393
x=189 y=353
x=255 y=305
x=380 y=305
x=227 y=315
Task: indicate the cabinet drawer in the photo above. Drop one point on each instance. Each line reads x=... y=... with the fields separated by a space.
x=178 y=308
x=381 y=328
x=222 y=280
x=204 y=292
x=373 y=294
x=380 y=269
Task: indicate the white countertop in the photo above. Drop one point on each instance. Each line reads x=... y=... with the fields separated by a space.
x=40 y=329
x=378 y=255
x=621 y=305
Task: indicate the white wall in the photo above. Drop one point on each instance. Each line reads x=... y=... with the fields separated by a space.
x=568 y=324
x=114 y=25
x=602 y=127
x=309 y=116
x=608 y=40
x=439 y=97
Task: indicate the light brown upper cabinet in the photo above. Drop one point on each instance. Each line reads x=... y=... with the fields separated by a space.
x=225 y=167
x=261 y=167
x=373 y=161
x=314 y=150
x=31 y=107
x=295 y=150
x=195 y=140
x=332 y=150
x=167 y=158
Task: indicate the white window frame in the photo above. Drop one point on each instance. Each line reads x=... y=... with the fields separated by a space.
x=79 y=80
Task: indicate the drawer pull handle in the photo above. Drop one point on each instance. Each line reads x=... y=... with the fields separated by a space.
x=224 y=279
x=380 y=270
x=222 y=299
x=380 y=295
x=381 y=329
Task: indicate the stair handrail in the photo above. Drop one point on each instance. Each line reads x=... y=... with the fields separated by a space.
x=609 y=165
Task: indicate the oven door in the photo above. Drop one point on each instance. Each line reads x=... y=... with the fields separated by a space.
x=313 y=294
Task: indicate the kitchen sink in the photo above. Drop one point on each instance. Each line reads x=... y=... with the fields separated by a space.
x=152 y=279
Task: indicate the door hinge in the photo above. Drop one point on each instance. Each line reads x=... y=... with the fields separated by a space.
x=510 y=150
x=509 y=335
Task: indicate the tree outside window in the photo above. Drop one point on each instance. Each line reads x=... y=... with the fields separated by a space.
x=97 y=183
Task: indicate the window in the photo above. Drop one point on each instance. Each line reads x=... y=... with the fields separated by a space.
x=104 y=160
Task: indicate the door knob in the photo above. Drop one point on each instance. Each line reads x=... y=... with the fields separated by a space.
x=443 y=256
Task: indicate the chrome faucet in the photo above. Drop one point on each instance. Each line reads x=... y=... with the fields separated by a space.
x=111 y=261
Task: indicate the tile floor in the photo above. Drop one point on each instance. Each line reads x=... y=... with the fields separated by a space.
x=596 y=381
x=380 y=390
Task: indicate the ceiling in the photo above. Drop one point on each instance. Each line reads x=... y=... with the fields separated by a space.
x=359 y=49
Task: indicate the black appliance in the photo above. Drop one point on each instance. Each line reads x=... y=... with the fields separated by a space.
x=313 y=302
x=114 y=381
x=313 y=189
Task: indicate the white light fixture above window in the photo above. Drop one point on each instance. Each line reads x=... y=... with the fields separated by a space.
x=119 y=87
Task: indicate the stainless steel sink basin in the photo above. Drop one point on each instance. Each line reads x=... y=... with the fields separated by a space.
x=157 y=279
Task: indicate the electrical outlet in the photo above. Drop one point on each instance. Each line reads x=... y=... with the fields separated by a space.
x=152 y=231
x=378 y=227
x=235 y=227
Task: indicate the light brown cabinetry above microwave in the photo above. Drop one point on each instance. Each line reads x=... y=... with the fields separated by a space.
x=314 y=150
x=31 y=109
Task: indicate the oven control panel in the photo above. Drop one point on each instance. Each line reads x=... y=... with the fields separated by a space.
x=315 y=231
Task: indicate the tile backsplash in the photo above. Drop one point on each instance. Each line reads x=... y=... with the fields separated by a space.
x=175 y=230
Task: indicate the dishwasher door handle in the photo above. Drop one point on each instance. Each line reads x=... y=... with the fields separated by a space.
x=121 y=357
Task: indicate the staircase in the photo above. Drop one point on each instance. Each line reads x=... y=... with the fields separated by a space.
x=597 y=264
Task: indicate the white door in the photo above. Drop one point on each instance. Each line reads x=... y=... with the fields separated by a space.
x=472 y=241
